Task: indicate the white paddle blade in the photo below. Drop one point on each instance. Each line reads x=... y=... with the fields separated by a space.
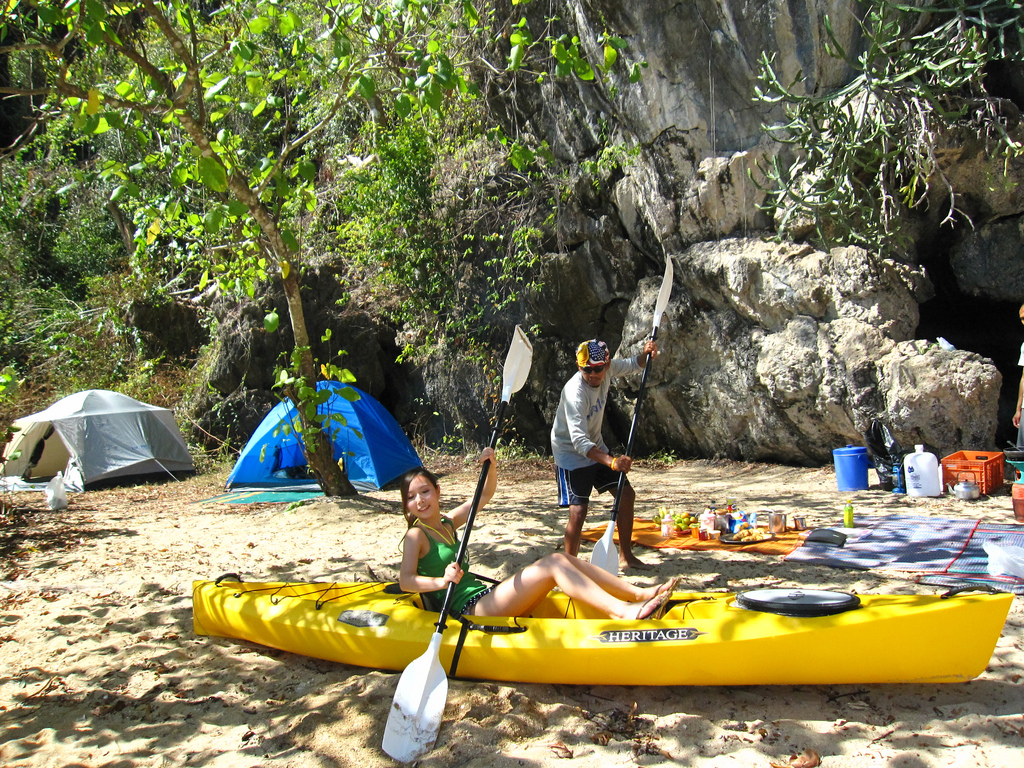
x=517 y=364
x=418 y=706
x=606 y=555
x=665 y=292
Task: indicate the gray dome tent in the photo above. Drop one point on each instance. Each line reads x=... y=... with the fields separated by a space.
x=97 y=435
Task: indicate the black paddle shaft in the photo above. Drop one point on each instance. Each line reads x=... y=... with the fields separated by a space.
x=442 y=622
x=632 y=428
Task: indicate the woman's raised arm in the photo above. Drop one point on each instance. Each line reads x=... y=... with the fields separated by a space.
x=460 y=514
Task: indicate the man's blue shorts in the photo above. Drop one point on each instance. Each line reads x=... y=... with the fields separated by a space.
x=575 y=485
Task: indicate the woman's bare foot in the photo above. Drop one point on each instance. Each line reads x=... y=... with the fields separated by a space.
x=646 y=593
x=669 y=586
x=648 y=609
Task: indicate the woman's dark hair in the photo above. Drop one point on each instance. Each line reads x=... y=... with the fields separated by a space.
x=406 y=481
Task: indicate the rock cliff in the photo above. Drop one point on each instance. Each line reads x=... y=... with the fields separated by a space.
x=771 y=352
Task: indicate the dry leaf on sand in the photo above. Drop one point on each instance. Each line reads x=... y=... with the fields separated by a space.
x=560 y=750
x=808 y=759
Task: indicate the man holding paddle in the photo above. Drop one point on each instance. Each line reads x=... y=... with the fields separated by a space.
x=582 y=460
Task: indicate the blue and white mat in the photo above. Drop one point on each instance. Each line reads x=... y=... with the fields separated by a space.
x=944 y=551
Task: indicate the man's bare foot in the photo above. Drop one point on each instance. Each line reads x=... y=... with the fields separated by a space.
x=625 y=563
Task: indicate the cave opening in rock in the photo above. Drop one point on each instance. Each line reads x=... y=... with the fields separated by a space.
x=978 y=324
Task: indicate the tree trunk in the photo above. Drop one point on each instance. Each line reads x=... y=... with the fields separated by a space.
x=319 y=453
x=316 y=443
x=123 y=226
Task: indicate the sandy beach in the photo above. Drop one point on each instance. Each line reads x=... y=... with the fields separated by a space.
x=99 y=666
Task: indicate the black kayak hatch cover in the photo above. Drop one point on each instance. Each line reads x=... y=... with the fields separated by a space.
x=798 y=602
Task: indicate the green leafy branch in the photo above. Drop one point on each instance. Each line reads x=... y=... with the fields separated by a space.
x=871 y=150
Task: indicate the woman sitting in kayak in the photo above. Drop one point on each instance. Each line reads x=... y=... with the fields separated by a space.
x=431 y=548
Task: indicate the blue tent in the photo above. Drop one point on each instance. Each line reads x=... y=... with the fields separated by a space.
x=374 y=447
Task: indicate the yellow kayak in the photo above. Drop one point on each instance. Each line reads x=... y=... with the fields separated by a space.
x=703 y=639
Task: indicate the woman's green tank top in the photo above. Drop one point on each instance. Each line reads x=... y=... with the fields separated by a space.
x=433 y=564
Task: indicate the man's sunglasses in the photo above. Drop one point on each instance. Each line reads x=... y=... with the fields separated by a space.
x=594 y=368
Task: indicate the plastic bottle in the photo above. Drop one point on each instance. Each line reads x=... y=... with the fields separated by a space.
x=899 y=484
x=665 y=519
x=848 y=514
x=707 y=520
x=922 y=473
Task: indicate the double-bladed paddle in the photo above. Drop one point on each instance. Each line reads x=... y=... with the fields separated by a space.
x=418 y=706
x=606 y=554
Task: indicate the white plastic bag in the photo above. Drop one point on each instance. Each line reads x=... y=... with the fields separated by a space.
x=1004 y=560
x=56 y=495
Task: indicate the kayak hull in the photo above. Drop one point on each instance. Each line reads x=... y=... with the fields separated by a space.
x=704 y=639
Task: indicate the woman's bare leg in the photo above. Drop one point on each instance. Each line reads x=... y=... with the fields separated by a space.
x=518 y=595
x=614 y=585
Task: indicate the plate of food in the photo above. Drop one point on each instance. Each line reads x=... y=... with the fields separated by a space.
x=747 y=537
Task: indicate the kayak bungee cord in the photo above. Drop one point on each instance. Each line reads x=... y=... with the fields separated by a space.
x=687 y=603
x=276 y=589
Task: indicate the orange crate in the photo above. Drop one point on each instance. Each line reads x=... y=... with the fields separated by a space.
x=982 y=467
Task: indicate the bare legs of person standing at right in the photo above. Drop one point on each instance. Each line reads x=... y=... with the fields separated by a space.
x=624 y=524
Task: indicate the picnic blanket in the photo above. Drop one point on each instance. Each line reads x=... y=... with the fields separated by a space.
x=647 y=534
x=894 y=542
x=971 y=566
x=942 y=551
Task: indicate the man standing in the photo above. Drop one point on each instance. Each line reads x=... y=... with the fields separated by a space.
x=582 y=460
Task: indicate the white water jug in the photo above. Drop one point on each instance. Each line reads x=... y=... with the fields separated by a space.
x=921 y=470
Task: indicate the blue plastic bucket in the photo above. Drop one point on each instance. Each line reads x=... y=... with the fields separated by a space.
x=851 y=468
